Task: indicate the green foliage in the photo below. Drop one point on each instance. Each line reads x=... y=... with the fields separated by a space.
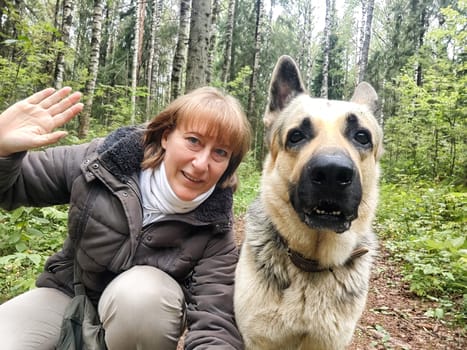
x=426 y=136
x=239 y=86
x=112 y=106
x=335 y=71
x=29 y=71
x=249 y=182
x=28 y=236
x=423 y=225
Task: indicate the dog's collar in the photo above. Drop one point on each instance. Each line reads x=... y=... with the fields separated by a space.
x=311 y=265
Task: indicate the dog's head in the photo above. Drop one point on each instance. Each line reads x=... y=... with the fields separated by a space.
x=322 y=153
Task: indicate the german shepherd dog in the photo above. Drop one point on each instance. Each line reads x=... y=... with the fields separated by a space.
x=303 y=273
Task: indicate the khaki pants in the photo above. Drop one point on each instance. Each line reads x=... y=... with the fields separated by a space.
x=142 y=308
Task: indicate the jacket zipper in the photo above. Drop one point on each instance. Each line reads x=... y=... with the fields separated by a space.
x=88 y=205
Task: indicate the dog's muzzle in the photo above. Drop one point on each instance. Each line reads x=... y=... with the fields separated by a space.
x=328 y=193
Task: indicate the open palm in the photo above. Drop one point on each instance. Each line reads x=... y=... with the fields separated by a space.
x=31 y=122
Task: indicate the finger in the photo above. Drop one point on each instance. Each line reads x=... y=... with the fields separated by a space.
x=67 y=115
x=48 y=139
x=41 y=95
x=56 y=97
x=65 y=103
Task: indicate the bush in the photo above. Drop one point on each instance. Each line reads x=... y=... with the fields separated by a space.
x=28 y=236
x=423 y=226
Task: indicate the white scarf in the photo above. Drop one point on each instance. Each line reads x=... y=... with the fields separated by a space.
x=159 y=199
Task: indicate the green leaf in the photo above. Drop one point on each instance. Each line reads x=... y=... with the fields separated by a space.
x=21 y=247
x=457 y=242
x=33 y=231
x=35 y=258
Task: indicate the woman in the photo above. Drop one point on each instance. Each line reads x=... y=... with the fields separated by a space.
x=153 y=210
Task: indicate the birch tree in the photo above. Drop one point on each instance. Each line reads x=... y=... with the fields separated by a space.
x=256 y=58
x=153 y=55
x=212 y=40
x=111 y=30
x=137 y=43
x=367 y=18
x=228 y=42
x=260 y=15
x=85 y=116
x=326 y=50
x=198 y=44
x=306 y=31
x=67 y=19
x=180 y=50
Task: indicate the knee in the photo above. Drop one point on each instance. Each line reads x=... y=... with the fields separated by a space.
x=144 y=288
x=142 y=298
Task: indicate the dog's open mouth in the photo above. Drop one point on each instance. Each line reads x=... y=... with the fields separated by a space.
x=328 y=215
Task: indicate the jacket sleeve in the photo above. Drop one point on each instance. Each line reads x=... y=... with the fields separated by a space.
x=40 y=178
x=210 y=315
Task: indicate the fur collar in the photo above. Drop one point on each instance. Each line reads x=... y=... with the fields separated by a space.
x=122 y=153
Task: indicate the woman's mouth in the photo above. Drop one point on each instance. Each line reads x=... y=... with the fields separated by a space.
x=191 y=178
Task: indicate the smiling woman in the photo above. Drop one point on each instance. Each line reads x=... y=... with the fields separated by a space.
x=150 y=225
x=209 y=112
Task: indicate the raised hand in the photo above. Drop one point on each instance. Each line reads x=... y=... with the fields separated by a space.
x=31 y=122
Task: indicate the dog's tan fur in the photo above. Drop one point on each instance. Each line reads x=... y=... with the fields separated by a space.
x=277 y=304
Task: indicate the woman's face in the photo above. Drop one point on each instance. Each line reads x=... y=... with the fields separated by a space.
x=194 y=161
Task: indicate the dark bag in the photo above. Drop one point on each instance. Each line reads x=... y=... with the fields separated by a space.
x=81 y=328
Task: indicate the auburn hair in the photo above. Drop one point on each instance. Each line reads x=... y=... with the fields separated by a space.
x=217 y=114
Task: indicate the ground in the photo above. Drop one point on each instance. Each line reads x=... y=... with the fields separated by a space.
x=394 y=318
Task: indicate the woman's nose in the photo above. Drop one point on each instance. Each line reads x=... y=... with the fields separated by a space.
x=201 y=160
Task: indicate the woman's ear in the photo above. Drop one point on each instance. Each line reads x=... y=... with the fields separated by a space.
x=164 y=137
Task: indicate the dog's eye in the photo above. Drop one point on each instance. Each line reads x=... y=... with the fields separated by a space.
x=362 y=137
x=295 y=137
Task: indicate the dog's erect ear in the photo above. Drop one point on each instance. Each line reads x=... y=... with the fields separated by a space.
x=365 y=94
x=286 y=83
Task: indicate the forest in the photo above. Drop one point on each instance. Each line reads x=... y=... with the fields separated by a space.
x=131 y=58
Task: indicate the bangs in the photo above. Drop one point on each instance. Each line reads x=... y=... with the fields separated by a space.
x=215 y=119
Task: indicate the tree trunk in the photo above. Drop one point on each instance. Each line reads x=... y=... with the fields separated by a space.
x=140 y=10
x=180 y=50
x=67 y=20
x=198 y=44
x=306 y=56
x=153 y=55
x=424 y=18
x=326 y=50
x=366 y=36
x=251 y=113
x=212 y=40
x=228 y=42
x=85 y=116
x=256 y=58
x=111 y=29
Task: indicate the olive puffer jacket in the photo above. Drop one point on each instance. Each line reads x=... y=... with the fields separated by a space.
x=99 y=180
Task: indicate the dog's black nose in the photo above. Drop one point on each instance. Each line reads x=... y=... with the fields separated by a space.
x=333 y=171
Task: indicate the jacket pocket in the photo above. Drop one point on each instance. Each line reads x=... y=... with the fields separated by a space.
x=59 y=265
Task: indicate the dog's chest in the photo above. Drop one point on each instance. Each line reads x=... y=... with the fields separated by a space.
x=316 y=295
x=316 y=308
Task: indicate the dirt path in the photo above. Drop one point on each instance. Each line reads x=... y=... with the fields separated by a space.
x=394 y=318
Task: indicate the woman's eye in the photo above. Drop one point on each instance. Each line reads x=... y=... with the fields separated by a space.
x=221 y=153
x=362 y=137
x=193 y=140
